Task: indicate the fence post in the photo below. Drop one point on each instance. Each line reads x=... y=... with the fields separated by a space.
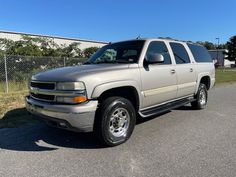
x=64 y=59
x=5 y=62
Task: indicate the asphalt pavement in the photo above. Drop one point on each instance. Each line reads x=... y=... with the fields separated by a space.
x=183 y=142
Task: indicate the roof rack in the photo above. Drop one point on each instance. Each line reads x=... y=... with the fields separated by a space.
x=169 y=38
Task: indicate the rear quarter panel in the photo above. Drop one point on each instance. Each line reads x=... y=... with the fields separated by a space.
x=205 y=69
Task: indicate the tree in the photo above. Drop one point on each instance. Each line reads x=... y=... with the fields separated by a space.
x=208 y=45
x=211 y=46
x=72 y=50
x=38 y=46
x=43 y=47
x=5 y=45
x=231 y=44
x=88 y=52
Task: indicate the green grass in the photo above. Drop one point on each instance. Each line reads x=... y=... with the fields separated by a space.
x=14 y=86
x=225 y=76
x=12 y=110
x=10 y=101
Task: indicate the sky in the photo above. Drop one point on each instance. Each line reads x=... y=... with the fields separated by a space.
x=110 y=20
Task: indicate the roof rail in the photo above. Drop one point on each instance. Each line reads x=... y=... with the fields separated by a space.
x=169 y=38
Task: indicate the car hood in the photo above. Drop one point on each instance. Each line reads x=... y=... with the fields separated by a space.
x=76 y=72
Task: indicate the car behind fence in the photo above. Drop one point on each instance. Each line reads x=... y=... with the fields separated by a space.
x=16 y=71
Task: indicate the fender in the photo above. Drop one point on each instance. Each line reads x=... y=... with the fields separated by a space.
x=199 y=77
x=99 y=89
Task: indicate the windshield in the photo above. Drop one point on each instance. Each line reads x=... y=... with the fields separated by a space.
x=121 y=52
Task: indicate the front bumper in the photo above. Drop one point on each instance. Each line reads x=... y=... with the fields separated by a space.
x=71 y=117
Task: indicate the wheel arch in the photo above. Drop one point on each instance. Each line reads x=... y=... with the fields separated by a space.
x=205 y=79
x=126 y=89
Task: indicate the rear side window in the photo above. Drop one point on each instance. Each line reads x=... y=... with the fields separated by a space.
x=181 y=55
x=159 y=47
x=200 y=53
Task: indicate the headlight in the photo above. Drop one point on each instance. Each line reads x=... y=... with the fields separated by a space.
x=72 y=100
x=70 y=86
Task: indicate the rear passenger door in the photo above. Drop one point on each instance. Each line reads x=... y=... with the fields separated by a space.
x=185 y=70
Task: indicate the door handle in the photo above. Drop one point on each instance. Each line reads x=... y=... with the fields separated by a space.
x=191 y=69
x=172 y=71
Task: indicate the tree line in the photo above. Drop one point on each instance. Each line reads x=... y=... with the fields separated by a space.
x=46 y=47
x=30 y=55
x=43 y=47
x=229 y=45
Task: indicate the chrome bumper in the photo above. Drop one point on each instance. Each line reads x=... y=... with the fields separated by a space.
x=72 y=117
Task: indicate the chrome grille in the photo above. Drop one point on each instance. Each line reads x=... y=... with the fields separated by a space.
x=43 y=97
x=43 y=85
x=36 y=87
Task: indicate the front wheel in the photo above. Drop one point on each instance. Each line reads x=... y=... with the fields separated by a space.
x=201 y=97
x=115 y=121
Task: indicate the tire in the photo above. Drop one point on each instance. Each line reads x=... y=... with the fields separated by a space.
x=201 y=97
x=115 y=121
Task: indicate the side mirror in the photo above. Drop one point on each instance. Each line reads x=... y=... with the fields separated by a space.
x=155 y=58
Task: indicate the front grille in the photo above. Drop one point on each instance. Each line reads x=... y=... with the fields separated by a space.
x=38 y=86
x=43 y=85
x=43 y=97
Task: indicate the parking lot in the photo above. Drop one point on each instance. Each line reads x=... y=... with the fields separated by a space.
x=182 y=142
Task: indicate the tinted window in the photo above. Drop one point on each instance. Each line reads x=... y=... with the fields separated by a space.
x=181 y=55
x=200 y=53
x=159 y=47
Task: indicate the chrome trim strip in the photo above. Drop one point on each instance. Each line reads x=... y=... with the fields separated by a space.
x=168 y=89
x=186 y=85
x=43 y=99
x=55 y=92
x=160 y=90
x=47 y=82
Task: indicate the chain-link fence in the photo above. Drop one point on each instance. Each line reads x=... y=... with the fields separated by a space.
x=16 y=71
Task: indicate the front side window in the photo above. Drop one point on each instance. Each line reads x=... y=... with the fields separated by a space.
x=180 y=53
x=121 y=52
x=158 y=47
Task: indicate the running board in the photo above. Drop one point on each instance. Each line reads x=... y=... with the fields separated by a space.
x=165 y=107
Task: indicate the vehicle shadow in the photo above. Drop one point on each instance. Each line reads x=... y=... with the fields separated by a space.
x=36 y=136
x=29 y=134
x=185 y=107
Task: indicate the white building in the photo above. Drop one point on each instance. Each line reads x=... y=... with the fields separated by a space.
x=15 y=36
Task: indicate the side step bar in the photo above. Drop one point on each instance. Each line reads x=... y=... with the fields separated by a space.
x=165 y=107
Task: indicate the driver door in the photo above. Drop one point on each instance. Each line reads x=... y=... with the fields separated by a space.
x=159 y=80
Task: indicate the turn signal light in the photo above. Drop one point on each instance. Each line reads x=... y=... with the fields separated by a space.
x=79 y=99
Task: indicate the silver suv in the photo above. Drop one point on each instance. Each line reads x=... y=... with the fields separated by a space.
x=121 y=81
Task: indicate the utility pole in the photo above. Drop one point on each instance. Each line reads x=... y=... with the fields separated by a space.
x=217 y=50
x=6 y=76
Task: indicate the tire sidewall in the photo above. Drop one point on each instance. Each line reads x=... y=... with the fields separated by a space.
x=107 y=136
x=202 y=87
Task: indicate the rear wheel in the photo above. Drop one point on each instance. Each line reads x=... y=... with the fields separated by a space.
x=201 y=97
x=115 y=121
